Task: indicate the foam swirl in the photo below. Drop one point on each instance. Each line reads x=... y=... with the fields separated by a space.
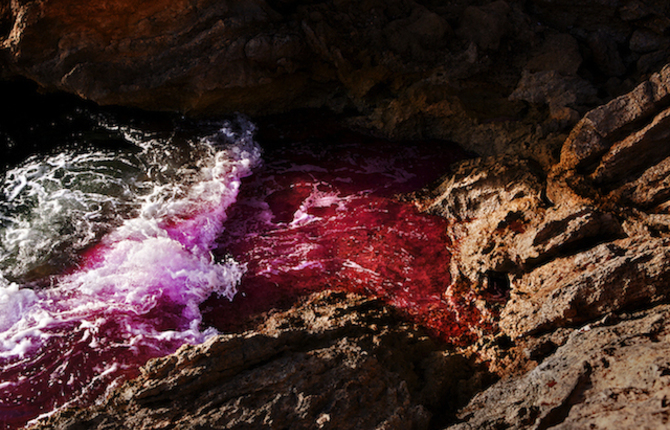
x=141 y=226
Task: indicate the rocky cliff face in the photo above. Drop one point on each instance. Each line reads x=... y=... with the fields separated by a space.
x=584 y=250
x=565 y=217
x=495 y=76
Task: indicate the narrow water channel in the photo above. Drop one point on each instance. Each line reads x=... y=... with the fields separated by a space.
x=122 y=238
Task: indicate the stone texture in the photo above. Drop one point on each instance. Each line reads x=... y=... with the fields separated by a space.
x=562 y=230
x=559 y=52
x=485 y=25
x=608 y=375
x=582 y=246
x=336 y=361
x=571 y=250
x=559 y=92
x=491 y=200
x=400 y=68
x=636 y=152
x=571 y=290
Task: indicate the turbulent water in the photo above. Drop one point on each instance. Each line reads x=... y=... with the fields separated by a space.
x=106 y=256
x=117 y=253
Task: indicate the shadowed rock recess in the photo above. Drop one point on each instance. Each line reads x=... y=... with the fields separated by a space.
x=494 y=76
x=561 y=225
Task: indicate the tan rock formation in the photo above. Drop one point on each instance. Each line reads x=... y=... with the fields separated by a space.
x=612 y=374
x=581 y=248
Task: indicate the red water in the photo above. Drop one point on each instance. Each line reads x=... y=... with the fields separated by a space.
x=323 y=215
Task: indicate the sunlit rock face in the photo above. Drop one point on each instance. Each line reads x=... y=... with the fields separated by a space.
x=584 y=250
x=492 y=76
x=578 y=242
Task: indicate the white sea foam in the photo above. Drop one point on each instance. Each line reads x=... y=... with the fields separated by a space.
x=150 y=271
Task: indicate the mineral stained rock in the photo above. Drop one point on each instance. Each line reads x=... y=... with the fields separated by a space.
x=337 y=361
x=494 y=76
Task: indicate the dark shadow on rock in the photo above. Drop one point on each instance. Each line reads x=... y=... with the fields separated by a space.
x=335 y=361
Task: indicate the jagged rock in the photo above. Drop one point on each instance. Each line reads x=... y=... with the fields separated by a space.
x=569 y=249
x=491 y=200
x=599 y=129
x=650 y=192
x=607 y=375
x=563 y=229
x=554 y=240
x=401 y=68
x=636 y=152
x=571 y=290
x=337 y=361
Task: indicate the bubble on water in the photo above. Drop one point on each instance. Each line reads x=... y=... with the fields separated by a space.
x=135 y=291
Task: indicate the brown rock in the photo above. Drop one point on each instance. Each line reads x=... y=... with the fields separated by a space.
x=491 y=200
x=338 y=361
x=563 y=229
x=599 y=128
x=485 y=25
x=606 y=53
x=648 y=191
x=636 y=152
x=560 y=53
x=646 y=41
x=586 y=286
x=395 y=67
x=576 y=256
x=652 y=61
x=555 y=90
x=607 y=375
x=634 y=10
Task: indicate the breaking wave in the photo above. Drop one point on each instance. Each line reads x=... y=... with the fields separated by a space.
x=105 y=257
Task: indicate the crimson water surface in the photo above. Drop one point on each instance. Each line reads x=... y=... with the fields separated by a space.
x=323 y=213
